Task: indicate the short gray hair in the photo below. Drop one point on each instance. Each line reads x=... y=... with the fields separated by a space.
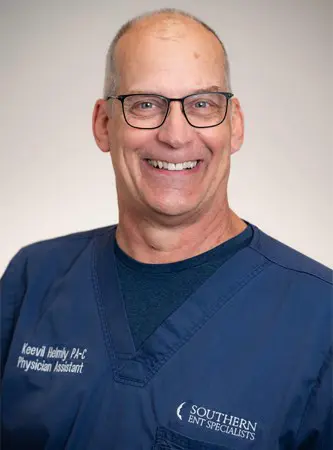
x=110 y=80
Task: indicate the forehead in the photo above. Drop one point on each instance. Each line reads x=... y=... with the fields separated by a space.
x=168 y=56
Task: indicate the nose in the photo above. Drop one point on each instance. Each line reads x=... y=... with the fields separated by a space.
x=176 y=132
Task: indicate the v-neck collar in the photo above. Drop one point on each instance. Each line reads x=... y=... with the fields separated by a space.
x=137 y=367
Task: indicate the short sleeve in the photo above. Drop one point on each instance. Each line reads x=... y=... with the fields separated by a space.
x=316 y=428
x=12 y=290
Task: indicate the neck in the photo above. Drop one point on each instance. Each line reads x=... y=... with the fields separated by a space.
x=152 y=242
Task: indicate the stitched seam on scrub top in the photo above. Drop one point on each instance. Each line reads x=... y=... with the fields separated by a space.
x=101 y=311
x=225 y=298
x=209 y=315
x=293 y=269
x=325 y=366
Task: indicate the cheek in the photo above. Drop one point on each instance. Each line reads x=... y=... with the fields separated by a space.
x=217 y=140
x=129 y=140
x=137 y=140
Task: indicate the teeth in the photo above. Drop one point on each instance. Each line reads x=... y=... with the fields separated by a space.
x=171 y=166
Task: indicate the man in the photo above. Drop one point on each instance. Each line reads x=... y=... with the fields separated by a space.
x=183 y=326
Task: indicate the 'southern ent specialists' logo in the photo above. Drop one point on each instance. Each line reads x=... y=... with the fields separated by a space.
x=179 y=409
x=217 y=421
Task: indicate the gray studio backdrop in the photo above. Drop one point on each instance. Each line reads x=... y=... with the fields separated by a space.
x=55 y=181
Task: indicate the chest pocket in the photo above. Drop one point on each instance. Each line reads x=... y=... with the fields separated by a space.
x=169 y=440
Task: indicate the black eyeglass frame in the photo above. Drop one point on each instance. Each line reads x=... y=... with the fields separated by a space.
x=122 y=97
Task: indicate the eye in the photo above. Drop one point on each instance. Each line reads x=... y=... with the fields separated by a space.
x=201 y=104
x=145 y=105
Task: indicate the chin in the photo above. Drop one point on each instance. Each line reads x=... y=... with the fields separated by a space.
x=173 y=209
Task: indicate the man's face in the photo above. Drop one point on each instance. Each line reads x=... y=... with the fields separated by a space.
x=178 y=62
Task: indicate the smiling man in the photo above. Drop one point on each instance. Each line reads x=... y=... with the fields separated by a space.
x=183 y=326
x=171 y=157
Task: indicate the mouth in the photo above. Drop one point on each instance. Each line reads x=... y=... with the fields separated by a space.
x=165 y=165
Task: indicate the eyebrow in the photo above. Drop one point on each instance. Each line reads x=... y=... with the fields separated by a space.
x=212 y=88
x=208 y=89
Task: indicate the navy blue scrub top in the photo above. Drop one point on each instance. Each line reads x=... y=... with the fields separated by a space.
x=244 y=363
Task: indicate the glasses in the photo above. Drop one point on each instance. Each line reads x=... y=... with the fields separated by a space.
x=149 y=111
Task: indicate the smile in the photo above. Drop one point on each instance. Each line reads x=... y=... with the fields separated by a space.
x=172 y=166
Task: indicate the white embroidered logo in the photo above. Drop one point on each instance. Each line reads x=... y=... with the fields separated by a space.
x=218 y=421
x=51 y=359
x=179 y=410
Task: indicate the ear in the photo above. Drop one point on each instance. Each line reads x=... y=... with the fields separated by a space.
x=237 y=125
x=100 y=121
